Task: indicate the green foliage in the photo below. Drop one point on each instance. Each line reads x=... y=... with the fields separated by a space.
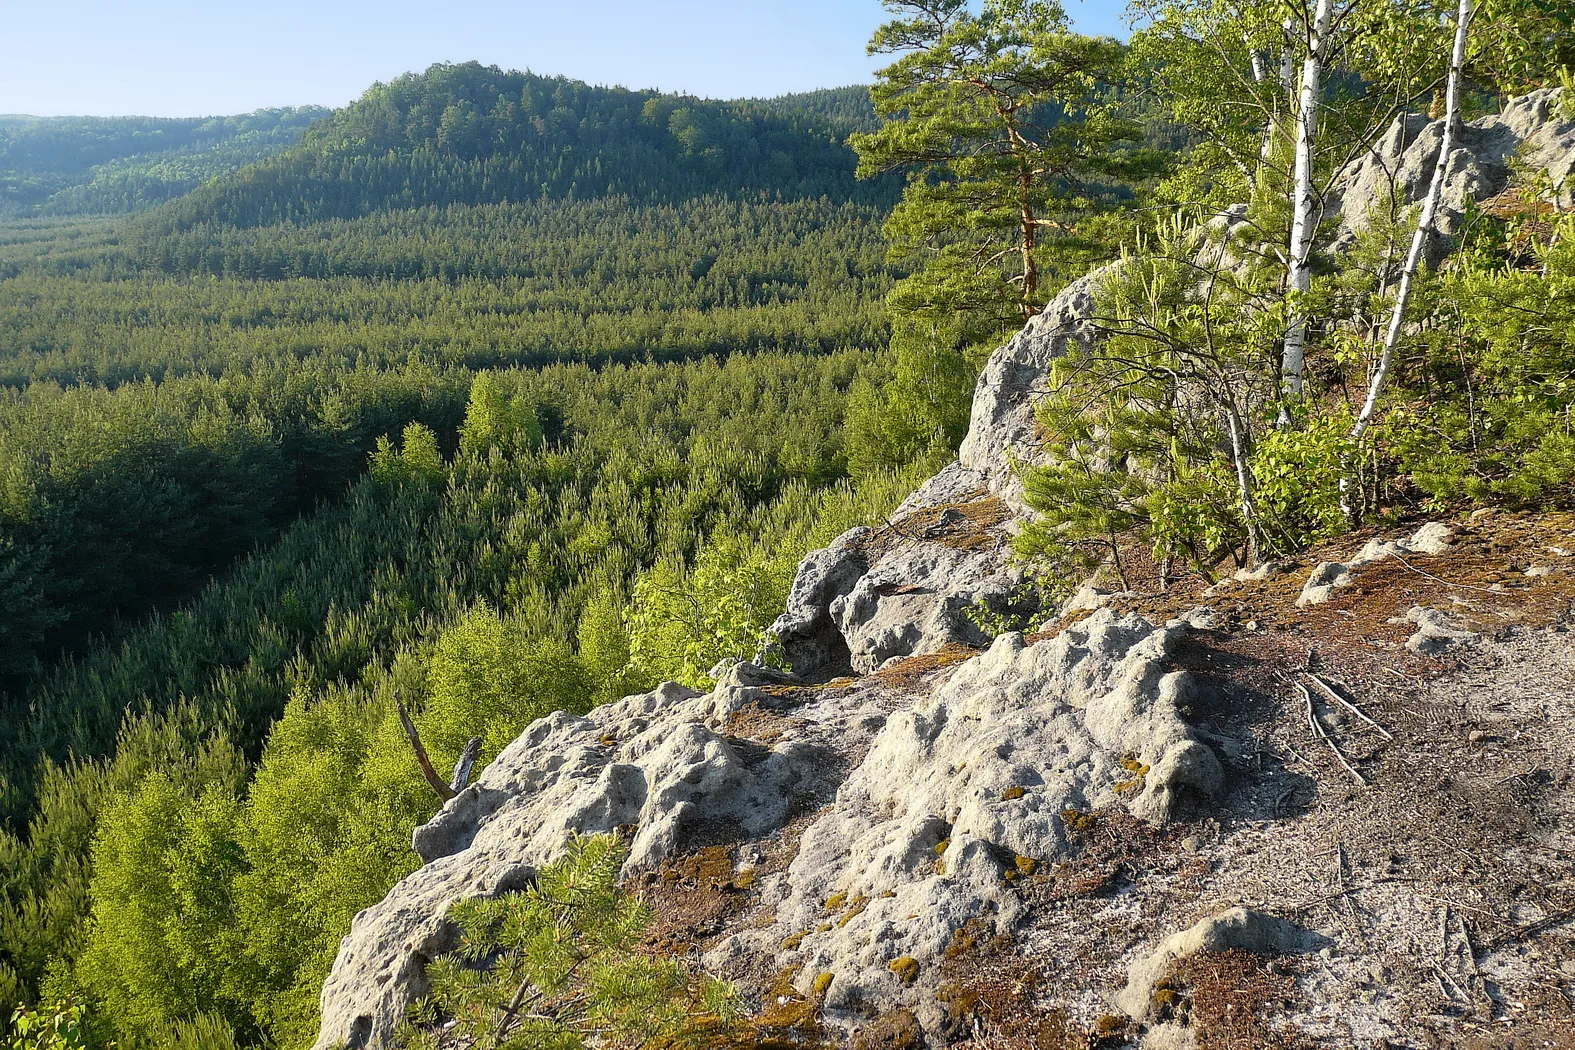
x=417 y=461
x=494 y=595
x=1484 y=413
x=165 y=938
x=491 y=678
x=492 y=418
x=82 y=165
x=61 y=1027
x=684 y=619
x=1001 y=119
x=555 y=967
x=474 y=134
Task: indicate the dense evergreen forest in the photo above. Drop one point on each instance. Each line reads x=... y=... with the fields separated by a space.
x=103 y=165
x=494 y=394
x=461 y=396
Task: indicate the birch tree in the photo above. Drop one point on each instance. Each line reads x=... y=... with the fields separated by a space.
x=1425 y=226
x=1304 y=201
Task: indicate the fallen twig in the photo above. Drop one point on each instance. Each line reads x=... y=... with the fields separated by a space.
x=1532 y=928
x=1330 y=692
x=1440 y=579
x=1322 y=734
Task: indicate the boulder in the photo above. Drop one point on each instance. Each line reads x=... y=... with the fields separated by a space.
x=1433 y=538
x=1397 y=171
x=659 y=766
x=1002 y=430
x=1238 y=928
x=805 y=635
x=917 y=600
x=959 y=791
x=1436 y=631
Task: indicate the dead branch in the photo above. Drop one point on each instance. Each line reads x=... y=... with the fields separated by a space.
x=1323 y=734
x=467 y=758
x=444 y=792
x=1332 y=694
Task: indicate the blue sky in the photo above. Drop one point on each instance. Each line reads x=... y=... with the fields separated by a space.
x=187 y=58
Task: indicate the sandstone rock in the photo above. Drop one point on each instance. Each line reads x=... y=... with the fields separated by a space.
x=1433 y=538
x=659 y=762
x=1435 y=631
x=1400 y=167
x=916 y=600
x=954 y=484
x=1264 y=570
x=805 y=634
x=1237 y=928
x=953 y=790
x=1089 y=597
x=1001 y=430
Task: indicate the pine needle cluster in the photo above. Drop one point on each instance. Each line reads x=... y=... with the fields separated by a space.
x=558 y=967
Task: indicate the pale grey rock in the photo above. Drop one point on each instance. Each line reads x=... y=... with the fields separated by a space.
x=805 y=635
x=1436 y=537
x=1016 y=736
x=1002 y=428
x=916 y=601
x=1436 y=631
x=1433 y=538
x=659 y=763
x=954 y=484
x=1397 y=172
x=1264 y=570
x=1090 y=597
x=1237 y=928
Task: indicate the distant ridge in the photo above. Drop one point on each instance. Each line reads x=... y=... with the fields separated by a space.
x=469 y=134
x=87 y=165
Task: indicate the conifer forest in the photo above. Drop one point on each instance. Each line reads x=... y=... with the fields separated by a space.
x=493 y=394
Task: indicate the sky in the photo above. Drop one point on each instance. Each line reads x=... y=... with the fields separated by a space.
x=182 y=58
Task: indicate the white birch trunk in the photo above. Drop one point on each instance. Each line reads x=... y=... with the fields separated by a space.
x=1424 y=230
x=1424 y=224
x=1299 y=277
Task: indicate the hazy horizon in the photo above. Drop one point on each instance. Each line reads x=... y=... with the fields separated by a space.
x=181 y=58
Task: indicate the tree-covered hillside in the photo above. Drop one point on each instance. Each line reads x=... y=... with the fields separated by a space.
x=470 y=393
x=474 y=134
x=102 y=165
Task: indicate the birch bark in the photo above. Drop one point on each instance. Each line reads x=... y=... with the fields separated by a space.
x=1303 y=220
x=1424 y=230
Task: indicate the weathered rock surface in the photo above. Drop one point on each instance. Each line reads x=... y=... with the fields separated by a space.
x=806 y=633
x=1002 y=429
x=1016 y=736
x=1397 y=172
x=929 y=579
x=661 y=763
x=957 y=792
x=1236 y=929
x=1328 y=577
x=1436 y=631
x=917 y=600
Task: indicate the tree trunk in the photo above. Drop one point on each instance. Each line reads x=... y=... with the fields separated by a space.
x=1303 y=220
x=1239 y=453
x=1030 y=239
x=1419 y=239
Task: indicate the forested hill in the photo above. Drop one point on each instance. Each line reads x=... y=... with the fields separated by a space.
x=105 y=165
x=475 y=135
x=845 y=107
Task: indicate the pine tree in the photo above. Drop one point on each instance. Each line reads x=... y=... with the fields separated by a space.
x=557 y=967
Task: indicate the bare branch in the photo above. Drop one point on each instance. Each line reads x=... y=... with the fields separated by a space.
x=436 y=782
